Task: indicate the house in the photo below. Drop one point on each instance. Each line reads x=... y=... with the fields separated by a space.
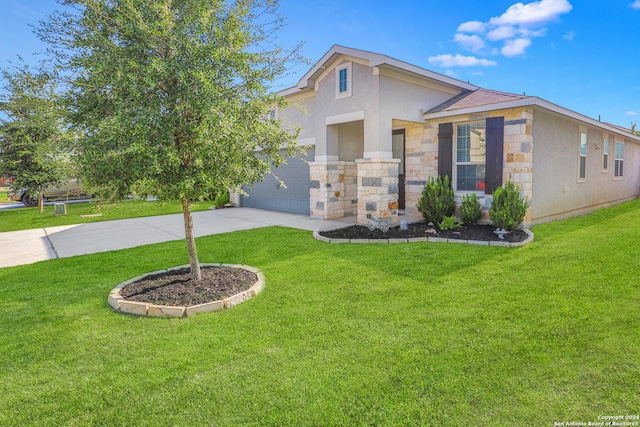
x=376 y=128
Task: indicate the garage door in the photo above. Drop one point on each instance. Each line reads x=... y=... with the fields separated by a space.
x=268 y=194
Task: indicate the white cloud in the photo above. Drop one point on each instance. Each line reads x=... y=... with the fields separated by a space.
x=536 y=13
x=632 y=113
x=502 y=32
x=515 y=28
x=460 y=61
x=526 y=32
x=635 y=4
x=473 y=27
x=473 y=43
x=515 y=47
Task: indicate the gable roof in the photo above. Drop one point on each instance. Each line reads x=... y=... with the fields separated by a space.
x=482 y=100
x=307 y=82
x=473 y=99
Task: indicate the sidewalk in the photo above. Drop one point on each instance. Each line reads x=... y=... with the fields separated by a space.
x=29 y=246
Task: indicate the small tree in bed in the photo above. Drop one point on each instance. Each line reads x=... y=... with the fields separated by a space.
x=172 y=96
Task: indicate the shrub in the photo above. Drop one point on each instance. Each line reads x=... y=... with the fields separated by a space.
x=470 y=209
x=507 y=208
x=221 y=199
x=448 y=223
x=437 y=200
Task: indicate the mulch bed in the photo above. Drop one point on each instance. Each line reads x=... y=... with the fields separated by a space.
x=422 y=229
x=176 y=287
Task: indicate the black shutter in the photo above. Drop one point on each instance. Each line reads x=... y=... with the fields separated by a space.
x=495 y=144
x=445 y=150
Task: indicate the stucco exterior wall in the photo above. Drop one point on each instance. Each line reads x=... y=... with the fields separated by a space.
x=301 y=112
x=406 y=100
x=558 y=192
x=364 y=98
x=350 y=139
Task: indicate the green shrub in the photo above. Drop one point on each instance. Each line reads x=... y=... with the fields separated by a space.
x=437 y=200
x=221 y=199
x=507 y=208
x=470 y=209
x=448 y=223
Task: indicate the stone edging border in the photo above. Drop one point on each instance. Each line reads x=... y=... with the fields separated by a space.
x=528 y=240
x=121 y=305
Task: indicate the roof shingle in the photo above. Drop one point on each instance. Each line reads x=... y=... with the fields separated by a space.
x=476 y=98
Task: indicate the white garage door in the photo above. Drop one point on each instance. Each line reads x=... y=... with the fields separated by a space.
x=269 y=194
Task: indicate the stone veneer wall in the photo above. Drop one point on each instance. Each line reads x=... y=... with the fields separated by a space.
x=421 y=153
x=377 y=189
x=333 y=189
x=420 y=160
x=350 y=199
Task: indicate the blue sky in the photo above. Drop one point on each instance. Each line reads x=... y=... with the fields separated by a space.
x=580 y=54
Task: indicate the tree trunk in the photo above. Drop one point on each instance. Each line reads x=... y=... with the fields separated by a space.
x=41 y=201
x=191 y=241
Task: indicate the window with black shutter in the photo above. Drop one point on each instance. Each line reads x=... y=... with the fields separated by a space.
x=495 y=156
x=477 y=154
x=445 y=150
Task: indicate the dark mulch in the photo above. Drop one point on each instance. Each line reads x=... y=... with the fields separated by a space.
x=421 y=229
x=177 y=288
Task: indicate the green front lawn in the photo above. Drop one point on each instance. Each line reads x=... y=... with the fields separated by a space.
x=398 y=334
x=79 y=213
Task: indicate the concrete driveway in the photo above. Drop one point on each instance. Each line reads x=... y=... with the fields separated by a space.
x=29 y=246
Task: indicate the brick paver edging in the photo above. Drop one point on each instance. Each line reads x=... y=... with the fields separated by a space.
x=529 y=239
x=121 y=305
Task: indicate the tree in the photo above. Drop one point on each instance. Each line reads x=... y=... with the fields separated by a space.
x=171 y=96
x=33 y=139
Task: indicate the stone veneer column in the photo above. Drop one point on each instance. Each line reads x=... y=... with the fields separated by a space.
x=350 y=196
x=328 y=198
x=377 y=189
x=518 y=151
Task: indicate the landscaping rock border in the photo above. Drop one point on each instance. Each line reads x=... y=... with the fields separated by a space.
x=528 y=240
x=121 y=305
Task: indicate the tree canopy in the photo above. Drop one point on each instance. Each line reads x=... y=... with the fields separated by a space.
x=172 y=96
x=34 y=143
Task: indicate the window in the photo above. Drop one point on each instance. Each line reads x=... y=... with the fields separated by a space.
x=343 y=80
x=582 y=176
x=342 y=84
x=619 y=159
x=605 y=155
x=471 y=150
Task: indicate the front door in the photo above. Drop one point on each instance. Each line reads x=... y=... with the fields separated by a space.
x=398 y=153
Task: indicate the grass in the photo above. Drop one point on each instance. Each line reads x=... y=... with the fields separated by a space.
x=3 y=196
x=27 y=218
x=399 y=334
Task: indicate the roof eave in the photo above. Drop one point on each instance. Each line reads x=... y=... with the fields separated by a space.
x=531 y=102
x=423 y=72
x=374 y=60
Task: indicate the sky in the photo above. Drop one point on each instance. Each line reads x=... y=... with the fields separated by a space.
x=583 y=55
